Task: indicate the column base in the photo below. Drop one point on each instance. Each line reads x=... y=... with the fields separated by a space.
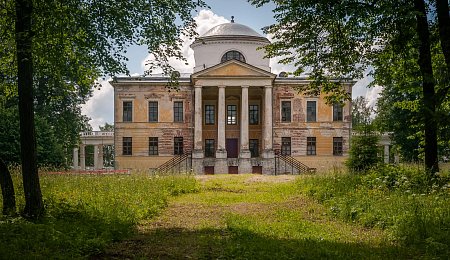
x=221 y=166
x=245 y=154
x=245 y=165
x=198 y=154
x=197 y=166
x=221 y=154
x=268 y=166
x=268 y=154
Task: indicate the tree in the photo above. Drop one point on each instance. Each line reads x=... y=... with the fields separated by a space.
x=73 y=41
x=340 y=39
x=108 y=150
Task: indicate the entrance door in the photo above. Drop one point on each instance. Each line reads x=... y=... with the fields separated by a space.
x=232 y=148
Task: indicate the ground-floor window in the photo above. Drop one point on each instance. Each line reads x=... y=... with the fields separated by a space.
x=209 y=147
x=178 y=145
x=310 y=146
x=153 y=146
x=254 y=147
x=285 y=146
x=127 y=146
x=337 y=146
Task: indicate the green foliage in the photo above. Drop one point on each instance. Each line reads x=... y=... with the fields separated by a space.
x=363 y=153
x=85 y=213
x=398 y=199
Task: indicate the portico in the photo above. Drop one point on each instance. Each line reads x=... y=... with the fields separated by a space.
x=232 y=94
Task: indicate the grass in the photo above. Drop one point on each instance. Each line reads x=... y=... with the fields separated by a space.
x=86 y=213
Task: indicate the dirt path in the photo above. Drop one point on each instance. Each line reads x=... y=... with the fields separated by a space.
x=248 y=217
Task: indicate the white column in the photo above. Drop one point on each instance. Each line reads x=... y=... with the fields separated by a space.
x=244 y=123
x=198 y=138
x=386 y=153
x=100 y=156
x=221 y=124
x=75 y=158
x=267 y=135
x=82 y=157
x=95 y=157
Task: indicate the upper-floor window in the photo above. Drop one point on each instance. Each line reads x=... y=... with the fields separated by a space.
x=209 y=115
x=178 y=145
x=311 y=112
x=253 y=114
x=153 y=111
x=233 y=55
x=153 y=146
x=310 y=146
x=127 y=146
x=231 y=114
x=285 y=111
x=127 y=111
x=337 y=112
x=178 y=111
x=337 y=146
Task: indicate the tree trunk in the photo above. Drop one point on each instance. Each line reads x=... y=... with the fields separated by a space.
x=6 y=183
x=429 y=95
x=34 y=206
x=444 y=35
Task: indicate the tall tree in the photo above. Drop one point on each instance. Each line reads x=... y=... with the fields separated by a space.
x=340 y=39
x=73 y=41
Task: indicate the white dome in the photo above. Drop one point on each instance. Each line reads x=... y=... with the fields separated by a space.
x=231 y=29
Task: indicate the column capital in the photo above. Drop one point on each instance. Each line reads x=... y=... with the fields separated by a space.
x=221 y=86
x=268 y=86
x=244 y=86
x=198 y=86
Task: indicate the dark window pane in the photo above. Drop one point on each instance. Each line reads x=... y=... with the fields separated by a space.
x=178 y=145
x=311 y=146
x=127 y=111
x=233 y=55
x=231 y=114
x=153 y=146
x=285 y=111
x=285 y=146
x=178 y=111
x=210 y=147
x=254 y=147
x=311 y=111
x=153 y=111
x=337 y=112
x=337 y=146
x=253 y=114
x=209 y=115
x=127 y=146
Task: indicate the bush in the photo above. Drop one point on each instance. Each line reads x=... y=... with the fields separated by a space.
x=363 y=153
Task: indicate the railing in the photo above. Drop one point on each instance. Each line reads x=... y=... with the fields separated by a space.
x=97 y=133
x=285 y=164
x=178 y=164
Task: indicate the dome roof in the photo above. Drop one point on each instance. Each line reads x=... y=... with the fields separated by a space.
x=231 y=29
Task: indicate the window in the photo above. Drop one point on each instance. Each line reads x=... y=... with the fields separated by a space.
x=285 y=146
x=153 y=146
x=178 y=145
x=337 y=145
x=127 y=111
x=285 y=111
x=178 y=111
x=253 y=114
x=210 y=115
x=153 y=111
x=311 y=111
x=337 y=112
x=127 y=146
x=231 y=114
x=310 y=146
x=209 y=147
x=254 y=147
x=232 y=55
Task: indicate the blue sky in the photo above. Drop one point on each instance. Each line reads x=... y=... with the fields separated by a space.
x=101 y=106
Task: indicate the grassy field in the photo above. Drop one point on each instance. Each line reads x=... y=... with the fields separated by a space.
x=380 y=215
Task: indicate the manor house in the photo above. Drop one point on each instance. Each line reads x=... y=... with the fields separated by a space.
x=232 y=115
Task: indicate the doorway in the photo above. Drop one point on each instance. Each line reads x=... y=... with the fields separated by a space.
x=232 y=148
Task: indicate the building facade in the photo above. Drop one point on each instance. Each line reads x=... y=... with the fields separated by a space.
x=231 y=115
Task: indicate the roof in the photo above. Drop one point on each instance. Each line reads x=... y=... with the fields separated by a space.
x=231 y=29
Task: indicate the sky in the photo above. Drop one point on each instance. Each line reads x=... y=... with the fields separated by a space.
x=100 y=107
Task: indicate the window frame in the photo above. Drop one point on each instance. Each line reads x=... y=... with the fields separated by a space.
x=286 y=146
x=311 y=145
x=253 y=115
x=232 y=53
x=150 y=111
x=254 y=151
x=208 y=119
x=178 y=144
x=284 y=118
x=230 y=118
x=307 y=111
x=178 y=116
x=338 y=112
x=338 y=146
x=127 y=145
x=151 y=146
x=126 y=114
x=210 y=148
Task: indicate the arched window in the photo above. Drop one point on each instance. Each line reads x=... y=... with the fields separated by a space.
x=233 y=55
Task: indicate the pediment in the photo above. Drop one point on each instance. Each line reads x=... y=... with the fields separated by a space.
x=233 y=69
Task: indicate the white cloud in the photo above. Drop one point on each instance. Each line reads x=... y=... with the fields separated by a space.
x=100 y=107
x=373 y=94
x=205 y=19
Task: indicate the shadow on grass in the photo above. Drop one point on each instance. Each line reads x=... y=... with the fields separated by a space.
x=63 y=235
x=179 y=243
